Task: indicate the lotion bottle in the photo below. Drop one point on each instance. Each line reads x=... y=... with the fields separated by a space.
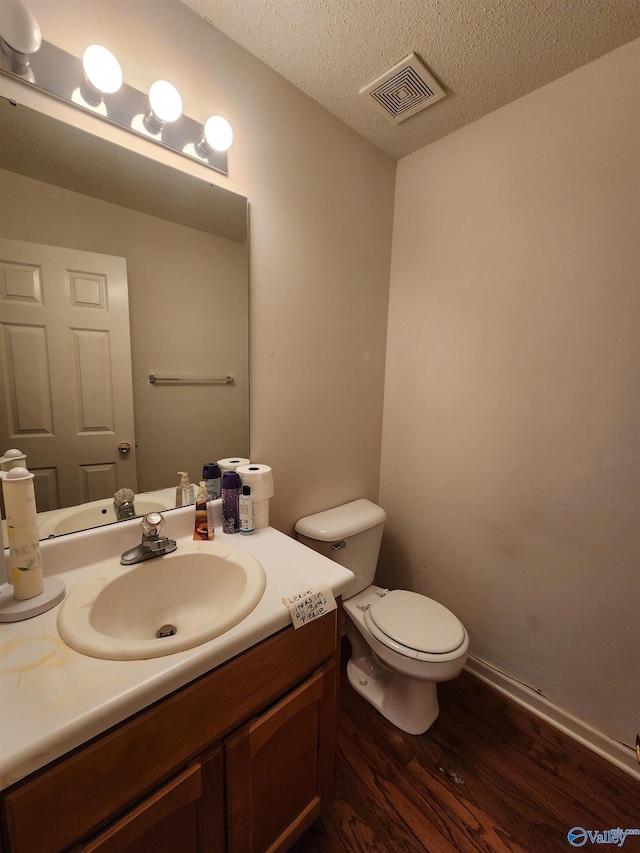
x=246 y=511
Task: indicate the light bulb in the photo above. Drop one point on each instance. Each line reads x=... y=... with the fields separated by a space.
x=218 y=133
x=20 y=37
x=102 y=70
x=165 y=101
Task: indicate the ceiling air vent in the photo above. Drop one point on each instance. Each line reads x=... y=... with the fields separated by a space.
x=404 y=90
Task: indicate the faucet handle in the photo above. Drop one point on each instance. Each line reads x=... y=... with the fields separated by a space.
x=152 y=524
x=123 y=504
x=153 y=544
x=123 y=496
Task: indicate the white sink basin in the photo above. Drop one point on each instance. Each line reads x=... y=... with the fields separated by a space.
x=202 y=590
x=95 y=514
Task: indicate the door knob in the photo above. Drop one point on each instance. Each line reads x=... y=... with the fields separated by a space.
x=124 y=447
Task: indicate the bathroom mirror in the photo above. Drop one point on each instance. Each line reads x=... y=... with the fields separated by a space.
x=184 y=245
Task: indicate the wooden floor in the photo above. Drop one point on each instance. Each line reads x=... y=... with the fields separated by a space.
x=487 y=776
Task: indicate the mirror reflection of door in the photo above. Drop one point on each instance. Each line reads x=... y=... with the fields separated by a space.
x=65 y=370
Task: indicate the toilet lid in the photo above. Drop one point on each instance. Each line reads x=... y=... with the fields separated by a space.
x=418 y=622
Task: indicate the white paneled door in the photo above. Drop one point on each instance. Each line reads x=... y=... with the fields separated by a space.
x=65 y=370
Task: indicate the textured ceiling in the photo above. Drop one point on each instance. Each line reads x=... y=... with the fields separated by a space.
x=485 y=53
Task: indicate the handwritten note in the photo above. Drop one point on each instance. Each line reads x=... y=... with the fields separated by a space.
x=309 y=604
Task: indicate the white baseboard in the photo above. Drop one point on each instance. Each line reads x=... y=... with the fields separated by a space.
x=607 y=747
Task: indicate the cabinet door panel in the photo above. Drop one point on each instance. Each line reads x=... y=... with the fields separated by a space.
x=274 y=769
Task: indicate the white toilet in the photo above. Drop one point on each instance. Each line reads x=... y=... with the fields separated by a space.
x=402 y=643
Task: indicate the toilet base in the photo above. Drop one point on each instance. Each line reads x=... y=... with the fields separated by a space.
x=409 y=704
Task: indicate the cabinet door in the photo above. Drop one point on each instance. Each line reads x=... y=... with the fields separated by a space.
x=279 y=767
x=186 y=815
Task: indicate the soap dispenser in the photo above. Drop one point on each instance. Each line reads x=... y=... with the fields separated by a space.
x=185 y=493
x=202 y=529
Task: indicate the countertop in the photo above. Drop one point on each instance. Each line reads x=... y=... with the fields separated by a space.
x=53 y=699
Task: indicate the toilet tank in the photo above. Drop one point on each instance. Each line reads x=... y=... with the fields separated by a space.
x=350 y=535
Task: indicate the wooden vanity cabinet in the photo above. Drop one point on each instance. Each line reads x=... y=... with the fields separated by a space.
x=240 y=760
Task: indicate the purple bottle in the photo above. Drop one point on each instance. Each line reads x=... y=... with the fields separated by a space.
x=231 y=485
x=211 y=477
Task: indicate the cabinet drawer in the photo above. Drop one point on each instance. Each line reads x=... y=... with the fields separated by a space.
x=83 y=792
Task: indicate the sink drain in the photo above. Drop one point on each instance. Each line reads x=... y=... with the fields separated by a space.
x=166 y=631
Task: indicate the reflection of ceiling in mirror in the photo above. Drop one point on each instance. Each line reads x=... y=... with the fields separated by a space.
x=46 y=149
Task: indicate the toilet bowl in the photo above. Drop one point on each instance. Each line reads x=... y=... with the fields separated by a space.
x=396 y=678
x=402 y=643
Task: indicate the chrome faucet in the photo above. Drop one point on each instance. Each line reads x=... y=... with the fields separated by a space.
x=123 y=504
x=153 y=544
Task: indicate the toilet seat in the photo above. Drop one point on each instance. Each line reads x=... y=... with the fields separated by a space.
x=414 y=625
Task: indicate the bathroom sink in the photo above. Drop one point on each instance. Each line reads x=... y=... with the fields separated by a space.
x=95 y=514
x=161 y=606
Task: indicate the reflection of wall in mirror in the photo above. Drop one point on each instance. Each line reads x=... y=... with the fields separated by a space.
x=188 y=299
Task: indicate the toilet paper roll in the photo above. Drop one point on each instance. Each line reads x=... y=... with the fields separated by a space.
x=260 y=478
x=25 y=561
x=231 y=463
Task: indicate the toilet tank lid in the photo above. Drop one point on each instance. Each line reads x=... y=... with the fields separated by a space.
x=341 y=521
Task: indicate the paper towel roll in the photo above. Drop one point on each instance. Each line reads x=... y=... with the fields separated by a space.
x=22 y=530
x=260 y=478
x=231 y=463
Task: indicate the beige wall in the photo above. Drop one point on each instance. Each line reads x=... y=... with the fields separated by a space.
x=510 y=441
x=509 y=465
x=321 y=207
x=187 y=313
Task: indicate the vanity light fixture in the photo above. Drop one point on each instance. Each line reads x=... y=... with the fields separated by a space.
x=20 y=37
x=96 y=84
